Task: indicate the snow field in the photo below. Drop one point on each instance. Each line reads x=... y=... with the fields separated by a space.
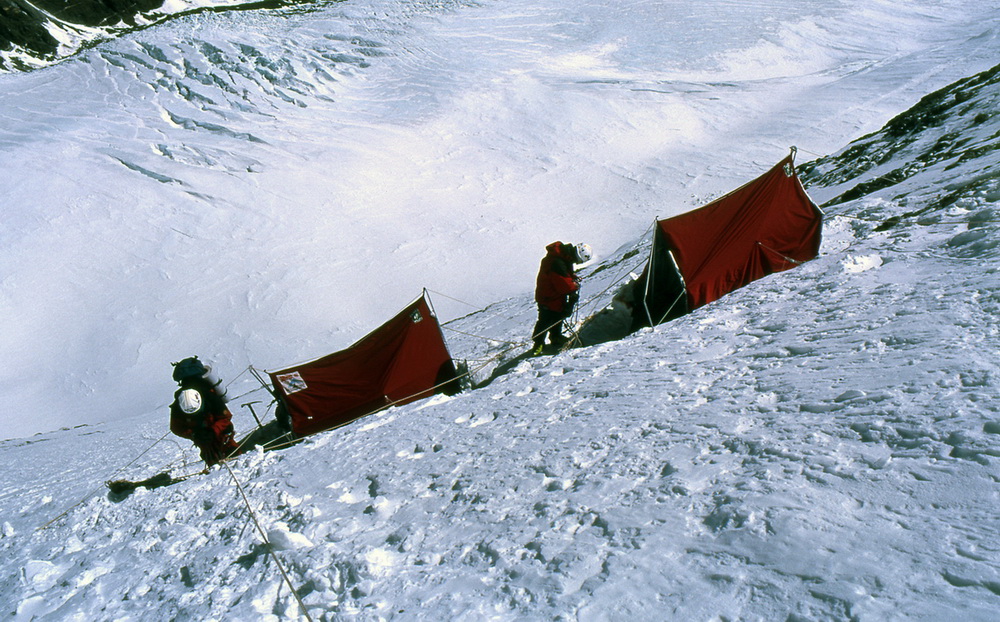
x=686 y=470
x=821 y=445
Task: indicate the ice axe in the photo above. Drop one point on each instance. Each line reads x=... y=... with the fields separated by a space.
x=252 y=412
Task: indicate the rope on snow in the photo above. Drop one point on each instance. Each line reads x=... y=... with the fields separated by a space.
x=469 y=304
x=92 y=492
x=780 y=254
x=477 y=336
x=267 y=543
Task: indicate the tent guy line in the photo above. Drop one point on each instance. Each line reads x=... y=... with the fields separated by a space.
x=694 y=259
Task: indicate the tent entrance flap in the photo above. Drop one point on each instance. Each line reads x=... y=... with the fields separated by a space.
x=403 y=360
x=661 y=291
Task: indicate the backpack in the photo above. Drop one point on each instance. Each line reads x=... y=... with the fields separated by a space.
x=190 y=367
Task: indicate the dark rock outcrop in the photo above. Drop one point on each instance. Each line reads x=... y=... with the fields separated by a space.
x=23 y=25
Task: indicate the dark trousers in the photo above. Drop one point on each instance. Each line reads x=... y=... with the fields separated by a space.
x=549 y=323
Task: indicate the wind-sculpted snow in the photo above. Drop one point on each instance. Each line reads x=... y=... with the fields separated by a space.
x=37 y=34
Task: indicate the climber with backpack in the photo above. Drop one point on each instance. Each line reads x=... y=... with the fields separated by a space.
x=199 y=411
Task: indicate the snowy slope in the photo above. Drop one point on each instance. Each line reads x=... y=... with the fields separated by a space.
x=821 y=445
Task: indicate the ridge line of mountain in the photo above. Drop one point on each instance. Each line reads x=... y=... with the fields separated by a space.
x=27 y=41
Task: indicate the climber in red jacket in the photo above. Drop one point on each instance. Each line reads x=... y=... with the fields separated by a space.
x=199 y=411
x=557 y=290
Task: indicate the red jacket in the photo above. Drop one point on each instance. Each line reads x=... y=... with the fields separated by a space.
x=556 y=279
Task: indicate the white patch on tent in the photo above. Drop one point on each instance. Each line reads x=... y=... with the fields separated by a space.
x=292 y=383
x=416 y=316
x=862 y=263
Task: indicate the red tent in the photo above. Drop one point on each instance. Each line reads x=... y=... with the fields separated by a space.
x=403 y=360
x=768 y=225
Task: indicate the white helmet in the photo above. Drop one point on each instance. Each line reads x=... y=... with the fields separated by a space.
x=583 y=252
x=189 y=400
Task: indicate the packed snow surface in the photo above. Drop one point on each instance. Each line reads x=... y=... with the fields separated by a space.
x=262 y=188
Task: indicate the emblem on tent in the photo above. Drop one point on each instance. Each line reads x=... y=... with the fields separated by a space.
x=789 y=171
x=292 y=382
x=416 y=317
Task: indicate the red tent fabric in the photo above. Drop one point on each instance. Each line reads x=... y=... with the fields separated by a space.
x=403 y=360
x=768 y=225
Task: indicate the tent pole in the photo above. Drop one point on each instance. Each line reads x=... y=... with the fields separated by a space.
x=649 y=278
x=672 y=305
x=256 y=375
x=427 y=299
x=680 y=276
